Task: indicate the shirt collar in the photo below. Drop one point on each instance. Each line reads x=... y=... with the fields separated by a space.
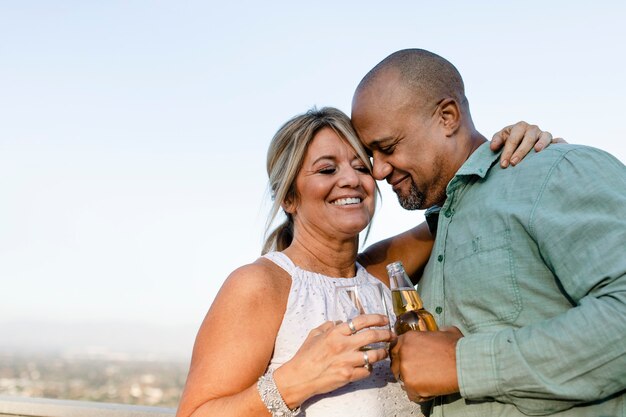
x=479 y=162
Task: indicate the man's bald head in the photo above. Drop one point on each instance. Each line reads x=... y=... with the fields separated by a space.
x=426 y=76
x=410 y=111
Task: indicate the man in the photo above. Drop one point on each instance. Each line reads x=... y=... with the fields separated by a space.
x=529 y=265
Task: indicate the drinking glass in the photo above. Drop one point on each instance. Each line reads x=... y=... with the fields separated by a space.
x=355 y=299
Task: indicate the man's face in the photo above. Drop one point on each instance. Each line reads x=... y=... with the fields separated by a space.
x=406 y=140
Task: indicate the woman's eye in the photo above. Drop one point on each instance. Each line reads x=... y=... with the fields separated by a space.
x=329 y=170
x=362 y=169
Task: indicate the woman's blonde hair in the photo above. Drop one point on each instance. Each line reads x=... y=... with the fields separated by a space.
x=284 y=160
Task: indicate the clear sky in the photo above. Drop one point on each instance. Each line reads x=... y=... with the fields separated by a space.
x=133 y=133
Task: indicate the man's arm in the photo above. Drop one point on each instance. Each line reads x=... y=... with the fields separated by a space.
x=579 y=224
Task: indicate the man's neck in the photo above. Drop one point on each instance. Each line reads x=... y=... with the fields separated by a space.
x=475 y=141
x=467 y=143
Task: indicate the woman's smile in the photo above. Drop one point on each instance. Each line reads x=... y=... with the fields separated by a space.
x=349 y=201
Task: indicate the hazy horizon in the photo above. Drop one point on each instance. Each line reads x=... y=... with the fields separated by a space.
x=120 y=340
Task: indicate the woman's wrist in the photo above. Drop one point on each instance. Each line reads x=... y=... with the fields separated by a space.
x=272 y=398
x=294 y=394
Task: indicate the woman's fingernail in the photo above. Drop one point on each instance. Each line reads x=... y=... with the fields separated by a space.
x=514 y=160
x=505 y=163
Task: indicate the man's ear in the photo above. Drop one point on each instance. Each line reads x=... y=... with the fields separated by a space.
x=450 y=116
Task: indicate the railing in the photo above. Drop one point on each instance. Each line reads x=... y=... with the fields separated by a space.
x=43 y=407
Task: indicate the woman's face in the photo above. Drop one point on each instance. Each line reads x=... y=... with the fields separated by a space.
x=336 y=193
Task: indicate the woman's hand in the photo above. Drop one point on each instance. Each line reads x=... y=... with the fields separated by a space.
x=330 y=358
x=518 y=140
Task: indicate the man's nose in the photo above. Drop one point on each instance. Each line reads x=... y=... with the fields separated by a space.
x=380 y=169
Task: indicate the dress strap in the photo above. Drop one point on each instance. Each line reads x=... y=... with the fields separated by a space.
x=281 y=260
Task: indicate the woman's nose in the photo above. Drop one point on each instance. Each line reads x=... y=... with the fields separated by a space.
x=349 y=178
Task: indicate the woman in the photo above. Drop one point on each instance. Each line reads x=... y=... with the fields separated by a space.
x=268 y=341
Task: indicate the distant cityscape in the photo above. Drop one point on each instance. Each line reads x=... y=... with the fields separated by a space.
x=93 y=376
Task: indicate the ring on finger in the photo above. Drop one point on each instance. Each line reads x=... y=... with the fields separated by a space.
x=351 y=326
x=366 y=361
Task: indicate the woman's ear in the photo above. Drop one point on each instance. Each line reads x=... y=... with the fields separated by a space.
x=450 y=116
x=290 y=205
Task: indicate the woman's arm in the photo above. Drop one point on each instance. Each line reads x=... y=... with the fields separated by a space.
x=412 y=248
x=236 y=340
x=234 y=345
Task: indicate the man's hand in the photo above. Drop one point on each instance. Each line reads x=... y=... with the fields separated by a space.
x=425 y=362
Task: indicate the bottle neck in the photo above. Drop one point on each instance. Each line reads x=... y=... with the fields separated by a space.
x=398 y=280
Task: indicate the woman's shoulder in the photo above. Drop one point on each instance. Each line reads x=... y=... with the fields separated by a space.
x=260 y=278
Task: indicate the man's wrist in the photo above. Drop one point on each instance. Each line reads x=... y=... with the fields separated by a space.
x=476 y=366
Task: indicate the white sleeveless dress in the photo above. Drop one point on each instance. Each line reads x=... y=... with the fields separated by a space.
x=311 y=303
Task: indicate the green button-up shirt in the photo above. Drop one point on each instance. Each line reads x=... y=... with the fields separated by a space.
x=530 y=264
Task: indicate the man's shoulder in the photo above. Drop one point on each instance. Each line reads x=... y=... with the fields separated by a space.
x=567 y=156
x=568 y=165
x=567 y=149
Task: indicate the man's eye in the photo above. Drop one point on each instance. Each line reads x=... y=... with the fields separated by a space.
x=387 y=149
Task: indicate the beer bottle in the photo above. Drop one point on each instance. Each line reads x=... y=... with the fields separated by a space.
x=407 y=304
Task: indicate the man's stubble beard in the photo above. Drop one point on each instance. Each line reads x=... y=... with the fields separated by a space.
x=414 y=200
x=417 y=200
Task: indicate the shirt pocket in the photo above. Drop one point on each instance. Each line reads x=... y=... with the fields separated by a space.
x=480 y=283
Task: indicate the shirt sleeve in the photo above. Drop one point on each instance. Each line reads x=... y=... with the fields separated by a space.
x=579 y=224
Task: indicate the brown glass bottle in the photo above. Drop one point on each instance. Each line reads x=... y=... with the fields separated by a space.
x=407 y=304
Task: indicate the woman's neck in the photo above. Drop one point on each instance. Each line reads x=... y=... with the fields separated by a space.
x=333 y=258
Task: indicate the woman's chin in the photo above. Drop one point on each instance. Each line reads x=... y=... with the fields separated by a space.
x=352 y=229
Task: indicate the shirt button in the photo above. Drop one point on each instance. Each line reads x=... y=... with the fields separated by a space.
x=438 y=310
x=440 y=258
x=448 y=213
